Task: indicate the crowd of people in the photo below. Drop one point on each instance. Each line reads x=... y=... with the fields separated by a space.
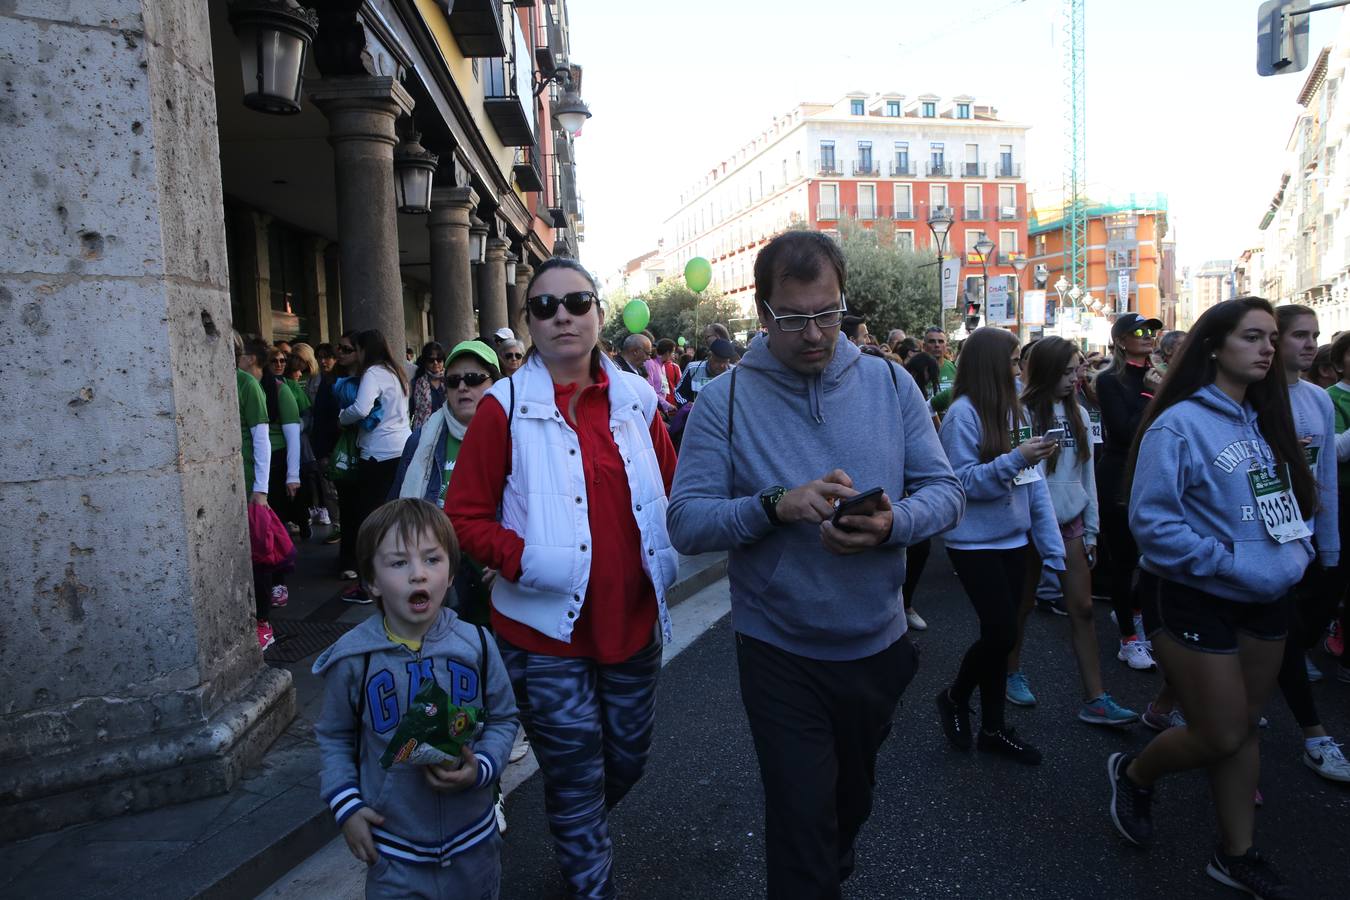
x=517 y=516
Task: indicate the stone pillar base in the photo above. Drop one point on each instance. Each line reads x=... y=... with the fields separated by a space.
x=45 y=793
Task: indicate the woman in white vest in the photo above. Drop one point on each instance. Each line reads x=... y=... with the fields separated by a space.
x=561 y=486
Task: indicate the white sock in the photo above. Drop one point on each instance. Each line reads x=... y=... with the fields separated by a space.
x=1313 y=742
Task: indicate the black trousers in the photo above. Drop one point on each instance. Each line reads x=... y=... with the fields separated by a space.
x=916 y=558
x=817 y=727
x=1312 y=607
x=993 y=581
x=1115 y=522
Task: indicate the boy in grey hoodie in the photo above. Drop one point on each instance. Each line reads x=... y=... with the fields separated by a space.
x=423 y=830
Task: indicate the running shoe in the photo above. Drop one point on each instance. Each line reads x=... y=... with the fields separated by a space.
x=1258 y=800
x=1135 y=655
x=1161 y=721
x=915 y=620
x=1343 y=674
x=1250 y=872
x=349 y=575
x=1054 y=606
x=280 y=596
x=1130 y=803
x=1314 y=673
x=1005 y=742
x=334 y=536
x=955 y=720
x=1334 y=642
x=520 y=746
x=1018 y=690
x=356 y=594
x=1325 y=758
x=1106 y=711
x=265 y=636
x=1138 y=620
x=499 y=809
x=324 y=518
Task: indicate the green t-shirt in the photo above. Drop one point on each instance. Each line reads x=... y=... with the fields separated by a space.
x=289 y=414
x=452 y=445
x=946 y=381
x=299 y=390
x=252 y=412
x=1340 y=402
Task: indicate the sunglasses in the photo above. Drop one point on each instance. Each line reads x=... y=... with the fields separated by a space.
x=512 y=355
x=343 y=348
x=1144 y=332
x=472 y=379
x=545 y=306
x=432 y=359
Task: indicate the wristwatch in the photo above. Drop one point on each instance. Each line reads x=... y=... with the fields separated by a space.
x=768 y=498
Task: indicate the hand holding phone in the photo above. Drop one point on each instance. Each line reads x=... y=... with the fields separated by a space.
x=863 y=504
x=1054 y=434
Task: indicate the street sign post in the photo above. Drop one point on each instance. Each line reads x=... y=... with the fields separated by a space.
x=951 y=277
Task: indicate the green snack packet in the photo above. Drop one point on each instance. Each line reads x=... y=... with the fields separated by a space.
x=433 y=731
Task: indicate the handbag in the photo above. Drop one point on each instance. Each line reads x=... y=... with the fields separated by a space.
x=344 y=458
x=269 y=542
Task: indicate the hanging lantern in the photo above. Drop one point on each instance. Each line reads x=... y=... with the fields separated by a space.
x=477 y=239
x=511 y=261
x=413 y=167
x=570 y=112
x=274 y=38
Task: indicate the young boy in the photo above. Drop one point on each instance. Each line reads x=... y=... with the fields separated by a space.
x=426 y=831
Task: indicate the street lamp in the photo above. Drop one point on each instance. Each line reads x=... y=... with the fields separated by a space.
x=413 y=167
x=274 y=38
x=511 y=261
x=570 y=112
x=1019 y=264
x=984 y=247
x=940 y=222
x=477 y=239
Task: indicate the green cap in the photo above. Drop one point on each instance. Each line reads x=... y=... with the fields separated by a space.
x=478 y=349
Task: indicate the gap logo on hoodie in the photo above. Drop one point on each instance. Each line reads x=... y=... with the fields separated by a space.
x=381 y=690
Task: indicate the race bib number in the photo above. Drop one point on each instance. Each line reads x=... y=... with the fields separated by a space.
x=1033 y=473
x=1278 y=506
x=1310 y=454
x=1095 y=421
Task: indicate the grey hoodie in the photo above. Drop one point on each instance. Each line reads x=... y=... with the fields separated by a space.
x=786 y=588
x=421 y=825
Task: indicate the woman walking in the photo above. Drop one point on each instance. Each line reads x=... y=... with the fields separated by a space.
x=579 y=604
x=992 y=451
x=428 y=384
x=1218 y=487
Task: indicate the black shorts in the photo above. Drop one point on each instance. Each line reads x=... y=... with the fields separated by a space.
x=1204 y=622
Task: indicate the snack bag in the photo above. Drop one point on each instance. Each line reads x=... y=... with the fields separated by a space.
x=433 y=731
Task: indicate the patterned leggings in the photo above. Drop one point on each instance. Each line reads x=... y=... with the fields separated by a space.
x=590 y=726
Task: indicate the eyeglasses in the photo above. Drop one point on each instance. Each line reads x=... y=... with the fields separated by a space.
x=472 y=379
x=343 y=348
x=545 y=306
x=279 y=359
x=511 y=355
x=830 y=318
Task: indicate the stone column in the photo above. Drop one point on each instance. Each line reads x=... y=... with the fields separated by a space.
x=316 y=287
x=451 y=271
x=332 y=276
x=492 y=290
x=255 y=275
x=517 y=303
x=130 y=660
x=361 y=113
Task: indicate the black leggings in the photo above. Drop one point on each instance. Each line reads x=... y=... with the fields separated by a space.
x=1124 y=552
x=1314 y=603
x=993 y=582
x=916 y=557
x=373 y=480
x=349 y=503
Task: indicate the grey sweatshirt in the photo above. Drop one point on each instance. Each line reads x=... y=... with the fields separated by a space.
x=786 y=588
x=421 y=825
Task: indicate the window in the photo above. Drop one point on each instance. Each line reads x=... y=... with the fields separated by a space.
x=973 y=205
x=799 y=162
x=904 y=201
x=937 y=196
x=827 y=156
x=867 y=201
x=893 y=108
x=901 y=158
x=855 y=107
x=963 y=110
x=1007 y=241
x=1007 y=201
x=1005 y=160
x=864 y=156
x=973 y=237
x=972 y=167
x=937 y=158
x=929 y=109
x=904 y=240
x=829 y=202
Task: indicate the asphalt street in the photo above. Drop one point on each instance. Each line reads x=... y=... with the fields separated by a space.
x=945 y=824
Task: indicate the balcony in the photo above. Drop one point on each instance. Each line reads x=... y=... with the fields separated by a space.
x=504 y=107
x=902 y=169
x=974 y=170
x=1005 y=258
x=477 y=27
x=904 y=214
x=827 y=212
x=974 y=214
x=827 y=166
x=557 y=216
x=938 y=169
x=864 y=213
x=1010 y=214
x=1008 y=170
x=526 y=169
x=865 y=168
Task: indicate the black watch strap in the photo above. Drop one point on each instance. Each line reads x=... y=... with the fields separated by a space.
x=769 y=500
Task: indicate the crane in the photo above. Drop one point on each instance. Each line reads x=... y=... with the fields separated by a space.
x=1075 y=156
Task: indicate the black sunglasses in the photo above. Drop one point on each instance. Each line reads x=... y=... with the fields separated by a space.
x=511 y=355
x=432 y=359
x=472 y=379
x=545 y=306
x=343 y=348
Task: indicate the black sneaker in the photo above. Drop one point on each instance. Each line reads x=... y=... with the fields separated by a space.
x=1250 y=872
x=955 y=720
x=1130 y=803
x=1005 y=742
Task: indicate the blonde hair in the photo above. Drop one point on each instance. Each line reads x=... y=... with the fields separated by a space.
x=306 y=354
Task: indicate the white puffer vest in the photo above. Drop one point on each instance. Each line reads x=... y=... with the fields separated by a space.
x=545 y=499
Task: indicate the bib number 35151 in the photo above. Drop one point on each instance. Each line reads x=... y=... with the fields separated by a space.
x=1278 y=506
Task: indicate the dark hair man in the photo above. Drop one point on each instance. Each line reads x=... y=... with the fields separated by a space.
x=855 y=329
x=820 y=628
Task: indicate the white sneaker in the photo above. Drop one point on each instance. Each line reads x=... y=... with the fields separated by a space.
x=1325 y=758
x=1138 y=621
x=499 y=808
x=1314 y=673
x=323 y=516
x=915 y=620
x=520 y=747
x=1136 y=656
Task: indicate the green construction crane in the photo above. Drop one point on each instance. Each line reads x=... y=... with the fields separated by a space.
x=1075 y=135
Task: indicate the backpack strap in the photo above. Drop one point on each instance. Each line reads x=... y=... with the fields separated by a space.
x=731 y=426
x=361 y=705
x=483 y=669
x=510 y=420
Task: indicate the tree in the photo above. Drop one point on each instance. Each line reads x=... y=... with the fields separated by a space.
x=889 y=285
x=676 y=311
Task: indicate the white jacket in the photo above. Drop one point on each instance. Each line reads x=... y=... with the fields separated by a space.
x=386 y=441
x=545 y=499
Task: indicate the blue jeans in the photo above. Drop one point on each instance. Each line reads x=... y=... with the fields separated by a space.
x=590 y=726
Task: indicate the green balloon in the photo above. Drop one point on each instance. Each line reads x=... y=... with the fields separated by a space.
x=636 y=315
x=697 y=274
x=681 y=341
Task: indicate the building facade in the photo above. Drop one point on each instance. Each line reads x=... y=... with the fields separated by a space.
x=1212 y=282
x=151 y=207
x=886 y=160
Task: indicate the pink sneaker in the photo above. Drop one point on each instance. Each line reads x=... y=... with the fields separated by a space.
x=280 y=596
x=265 y=636
x=1334 y=643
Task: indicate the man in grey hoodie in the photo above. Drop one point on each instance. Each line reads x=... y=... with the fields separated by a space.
x=805 y=421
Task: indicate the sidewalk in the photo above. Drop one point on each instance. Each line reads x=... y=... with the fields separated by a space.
x=235 y=844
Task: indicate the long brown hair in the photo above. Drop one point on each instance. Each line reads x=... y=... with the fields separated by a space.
x=1045 y=366
x=985 y=376
x=1194 y=367
x=375 y=352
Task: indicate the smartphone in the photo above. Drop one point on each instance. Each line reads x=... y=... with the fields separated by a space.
x=1054 y=434
x=860 y=504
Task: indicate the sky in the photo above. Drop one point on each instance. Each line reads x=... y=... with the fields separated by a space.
x=1174 y=103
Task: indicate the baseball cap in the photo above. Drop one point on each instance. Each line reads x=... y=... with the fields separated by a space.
x=1130 y=321
x=722 y=349
x=476 y=348
x=504 y=334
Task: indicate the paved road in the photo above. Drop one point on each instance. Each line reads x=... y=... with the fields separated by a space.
x=945 y=825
